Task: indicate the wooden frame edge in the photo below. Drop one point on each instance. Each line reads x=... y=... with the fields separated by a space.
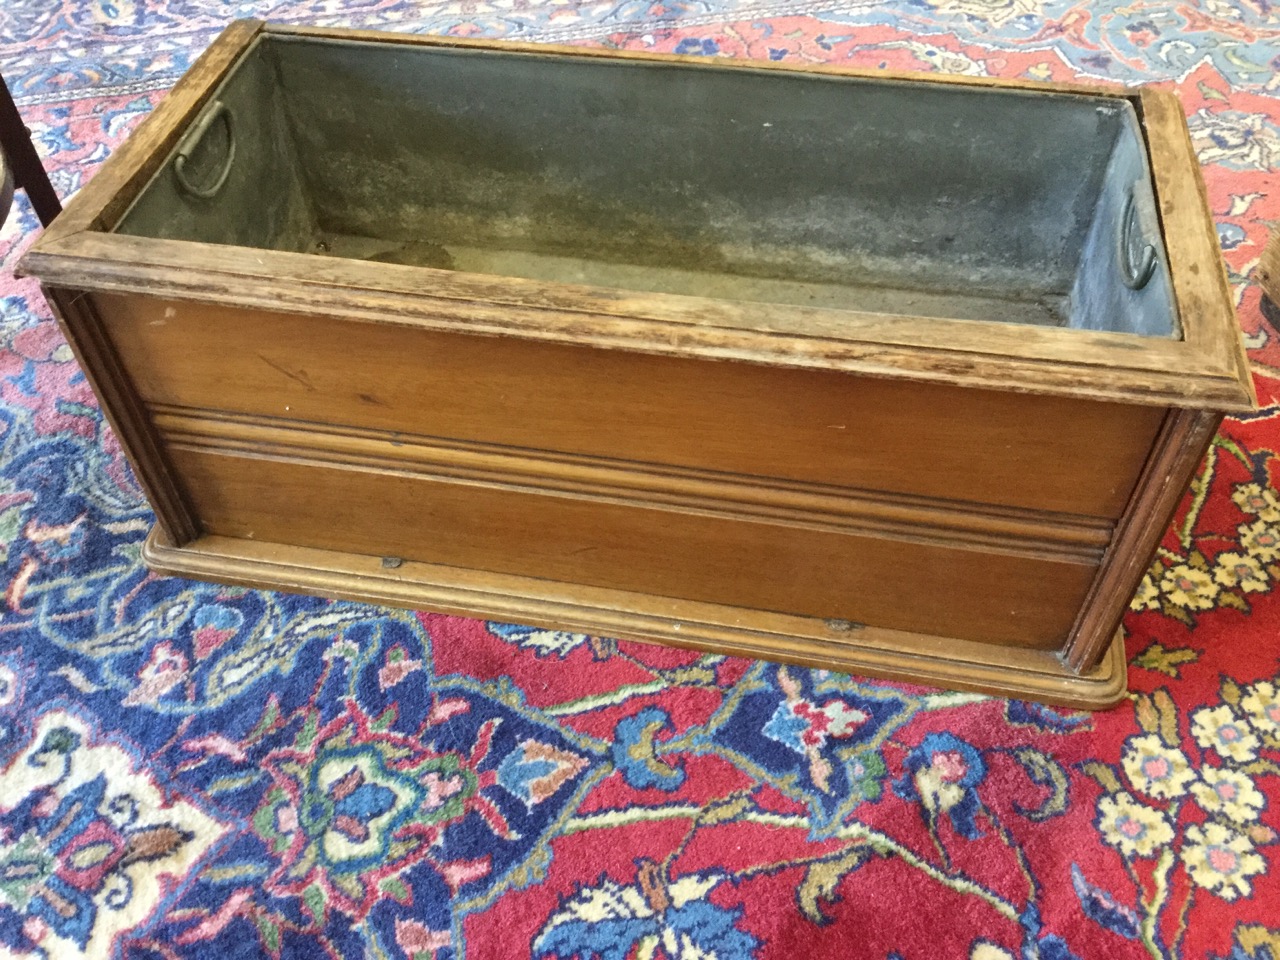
x=887 y=654
x=1021 y=359
x=1201 y=288
x=124 y=412
x=1175 y=456
x=102 y=194
x=1211 y=372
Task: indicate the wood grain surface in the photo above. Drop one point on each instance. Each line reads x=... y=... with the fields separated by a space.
x=941 y=500
x=1269 y=268
x=1041 y=453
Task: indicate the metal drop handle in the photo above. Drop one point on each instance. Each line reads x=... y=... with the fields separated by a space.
x=219 y=111
x=1137 y=260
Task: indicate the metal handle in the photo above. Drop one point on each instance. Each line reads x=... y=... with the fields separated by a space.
x=219 y=111
x=1137 y=260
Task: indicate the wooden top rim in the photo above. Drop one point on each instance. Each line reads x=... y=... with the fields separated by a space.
x=1205 y=370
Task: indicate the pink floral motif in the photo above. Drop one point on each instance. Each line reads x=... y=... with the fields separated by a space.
x=415 y=938
x=398 y=666
x=164 y=670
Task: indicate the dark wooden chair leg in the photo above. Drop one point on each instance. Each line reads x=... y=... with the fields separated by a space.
x=28 y=171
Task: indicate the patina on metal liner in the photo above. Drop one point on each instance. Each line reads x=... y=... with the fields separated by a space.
x=838 y=192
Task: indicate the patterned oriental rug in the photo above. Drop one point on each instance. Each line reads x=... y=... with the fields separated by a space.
x=190 y=771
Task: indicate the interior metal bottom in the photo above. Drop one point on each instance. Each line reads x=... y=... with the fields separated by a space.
x=871 y=297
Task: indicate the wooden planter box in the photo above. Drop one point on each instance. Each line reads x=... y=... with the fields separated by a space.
x=896 y=375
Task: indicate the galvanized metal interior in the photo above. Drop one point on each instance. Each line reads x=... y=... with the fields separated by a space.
x=915 y=199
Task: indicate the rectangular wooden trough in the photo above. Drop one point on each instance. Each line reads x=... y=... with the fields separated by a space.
x=895 y=375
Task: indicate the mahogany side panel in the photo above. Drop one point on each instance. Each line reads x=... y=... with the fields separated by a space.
x=1052 y=454
x=636 y=547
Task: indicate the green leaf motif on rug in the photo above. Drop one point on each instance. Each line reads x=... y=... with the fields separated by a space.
x=1158 y=658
